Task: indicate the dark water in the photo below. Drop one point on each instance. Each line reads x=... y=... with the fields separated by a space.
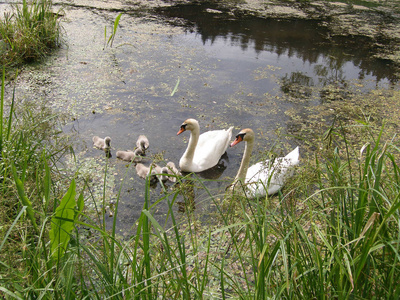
x=232 y=71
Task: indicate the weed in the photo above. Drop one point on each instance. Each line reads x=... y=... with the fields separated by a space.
x=29 y=33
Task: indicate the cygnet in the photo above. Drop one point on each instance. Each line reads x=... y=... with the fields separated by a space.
x=142 y=142
x=134 y=156
x=102 y=144
x=172 y=170
x=143 y=171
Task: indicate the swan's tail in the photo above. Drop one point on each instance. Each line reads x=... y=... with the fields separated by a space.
x=293 y=157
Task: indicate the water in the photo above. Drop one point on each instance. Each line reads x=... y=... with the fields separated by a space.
x=244 y=73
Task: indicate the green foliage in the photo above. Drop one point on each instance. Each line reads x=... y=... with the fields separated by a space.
x=63 y=221
x=25 y=201
x=28 y=33
x=110 y=40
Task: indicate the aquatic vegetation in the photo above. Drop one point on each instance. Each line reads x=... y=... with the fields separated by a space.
x=110 y=40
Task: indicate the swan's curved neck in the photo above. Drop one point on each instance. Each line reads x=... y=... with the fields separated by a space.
x=194 y=138
x=241 y=174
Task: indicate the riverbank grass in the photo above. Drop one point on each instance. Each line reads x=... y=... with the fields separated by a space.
x=28 y=33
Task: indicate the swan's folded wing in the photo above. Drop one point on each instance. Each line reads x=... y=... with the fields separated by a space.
x=211 y=146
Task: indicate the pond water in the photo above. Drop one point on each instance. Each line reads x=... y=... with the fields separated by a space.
x=229 y=71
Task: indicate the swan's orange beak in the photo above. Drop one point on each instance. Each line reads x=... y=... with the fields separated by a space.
x=237 y=140
x=180 y=131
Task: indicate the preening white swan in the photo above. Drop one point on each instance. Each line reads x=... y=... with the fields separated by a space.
x=265 y=176
x=102 y=144
x=203 y=151
x=142 y=142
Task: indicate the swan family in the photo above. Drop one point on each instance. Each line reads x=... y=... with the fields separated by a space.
x=204 y=151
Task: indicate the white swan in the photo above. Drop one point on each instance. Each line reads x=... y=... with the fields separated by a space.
x=135 y=156
x=102 y=144
x=142 y=142
x=203 y=151
x=265 y=176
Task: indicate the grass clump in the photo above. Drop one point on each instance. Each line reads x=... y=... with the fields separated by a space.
x=30 y=147
x=28 y=33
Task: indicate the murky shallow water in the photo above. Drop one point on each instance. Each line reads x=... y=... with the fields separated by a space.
x=230 y=72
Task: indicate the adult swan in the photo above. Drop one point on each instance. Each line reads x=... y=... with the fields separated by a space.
x=203 y=151
x=265 y=176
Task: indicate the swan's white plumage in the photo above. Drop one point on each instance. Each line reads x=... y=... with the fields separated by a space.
x=272 y=175
x=265 y=177
x=203 y=151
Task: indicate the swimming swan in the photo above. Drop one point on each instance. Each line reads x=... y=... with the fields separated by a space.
x=203 y=151
x=265 y=176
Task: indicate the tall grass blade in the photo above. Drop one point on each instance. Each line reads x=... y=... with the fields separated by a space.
x=46 y=183
x=3 y=79
x=9 y=293
x=176 y=87
x=112 y=36
x=12 y=226
x=25 y=201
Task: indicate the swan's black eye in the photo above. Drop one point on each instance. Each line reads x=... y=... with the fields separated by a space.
x=241 y=136
x=183 y=126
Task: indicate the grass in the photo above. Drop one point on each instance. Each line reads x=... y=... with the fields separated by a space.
x=332 y=233
x=28 y=33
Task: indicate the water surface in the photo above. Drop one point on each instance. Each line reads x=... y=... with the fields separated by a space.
x=245 y=72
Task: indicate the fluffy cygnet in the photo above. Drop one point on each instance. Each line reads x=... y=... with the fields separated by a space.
x=161 y=171
x=143 y=171
x=172 y=170
x=142 y=142
x=134 y=156
x=102 y=144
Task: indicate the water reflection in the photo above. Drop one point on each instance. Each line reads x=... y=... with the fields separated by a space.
x=303 y=39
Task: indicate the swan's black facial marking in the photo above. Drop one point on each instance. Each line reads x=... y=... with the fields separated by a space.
x=182 y=129
x=240 y=136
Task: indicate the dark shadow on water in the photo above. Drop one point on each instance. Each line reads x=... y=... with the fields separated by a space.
x=305 y=39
